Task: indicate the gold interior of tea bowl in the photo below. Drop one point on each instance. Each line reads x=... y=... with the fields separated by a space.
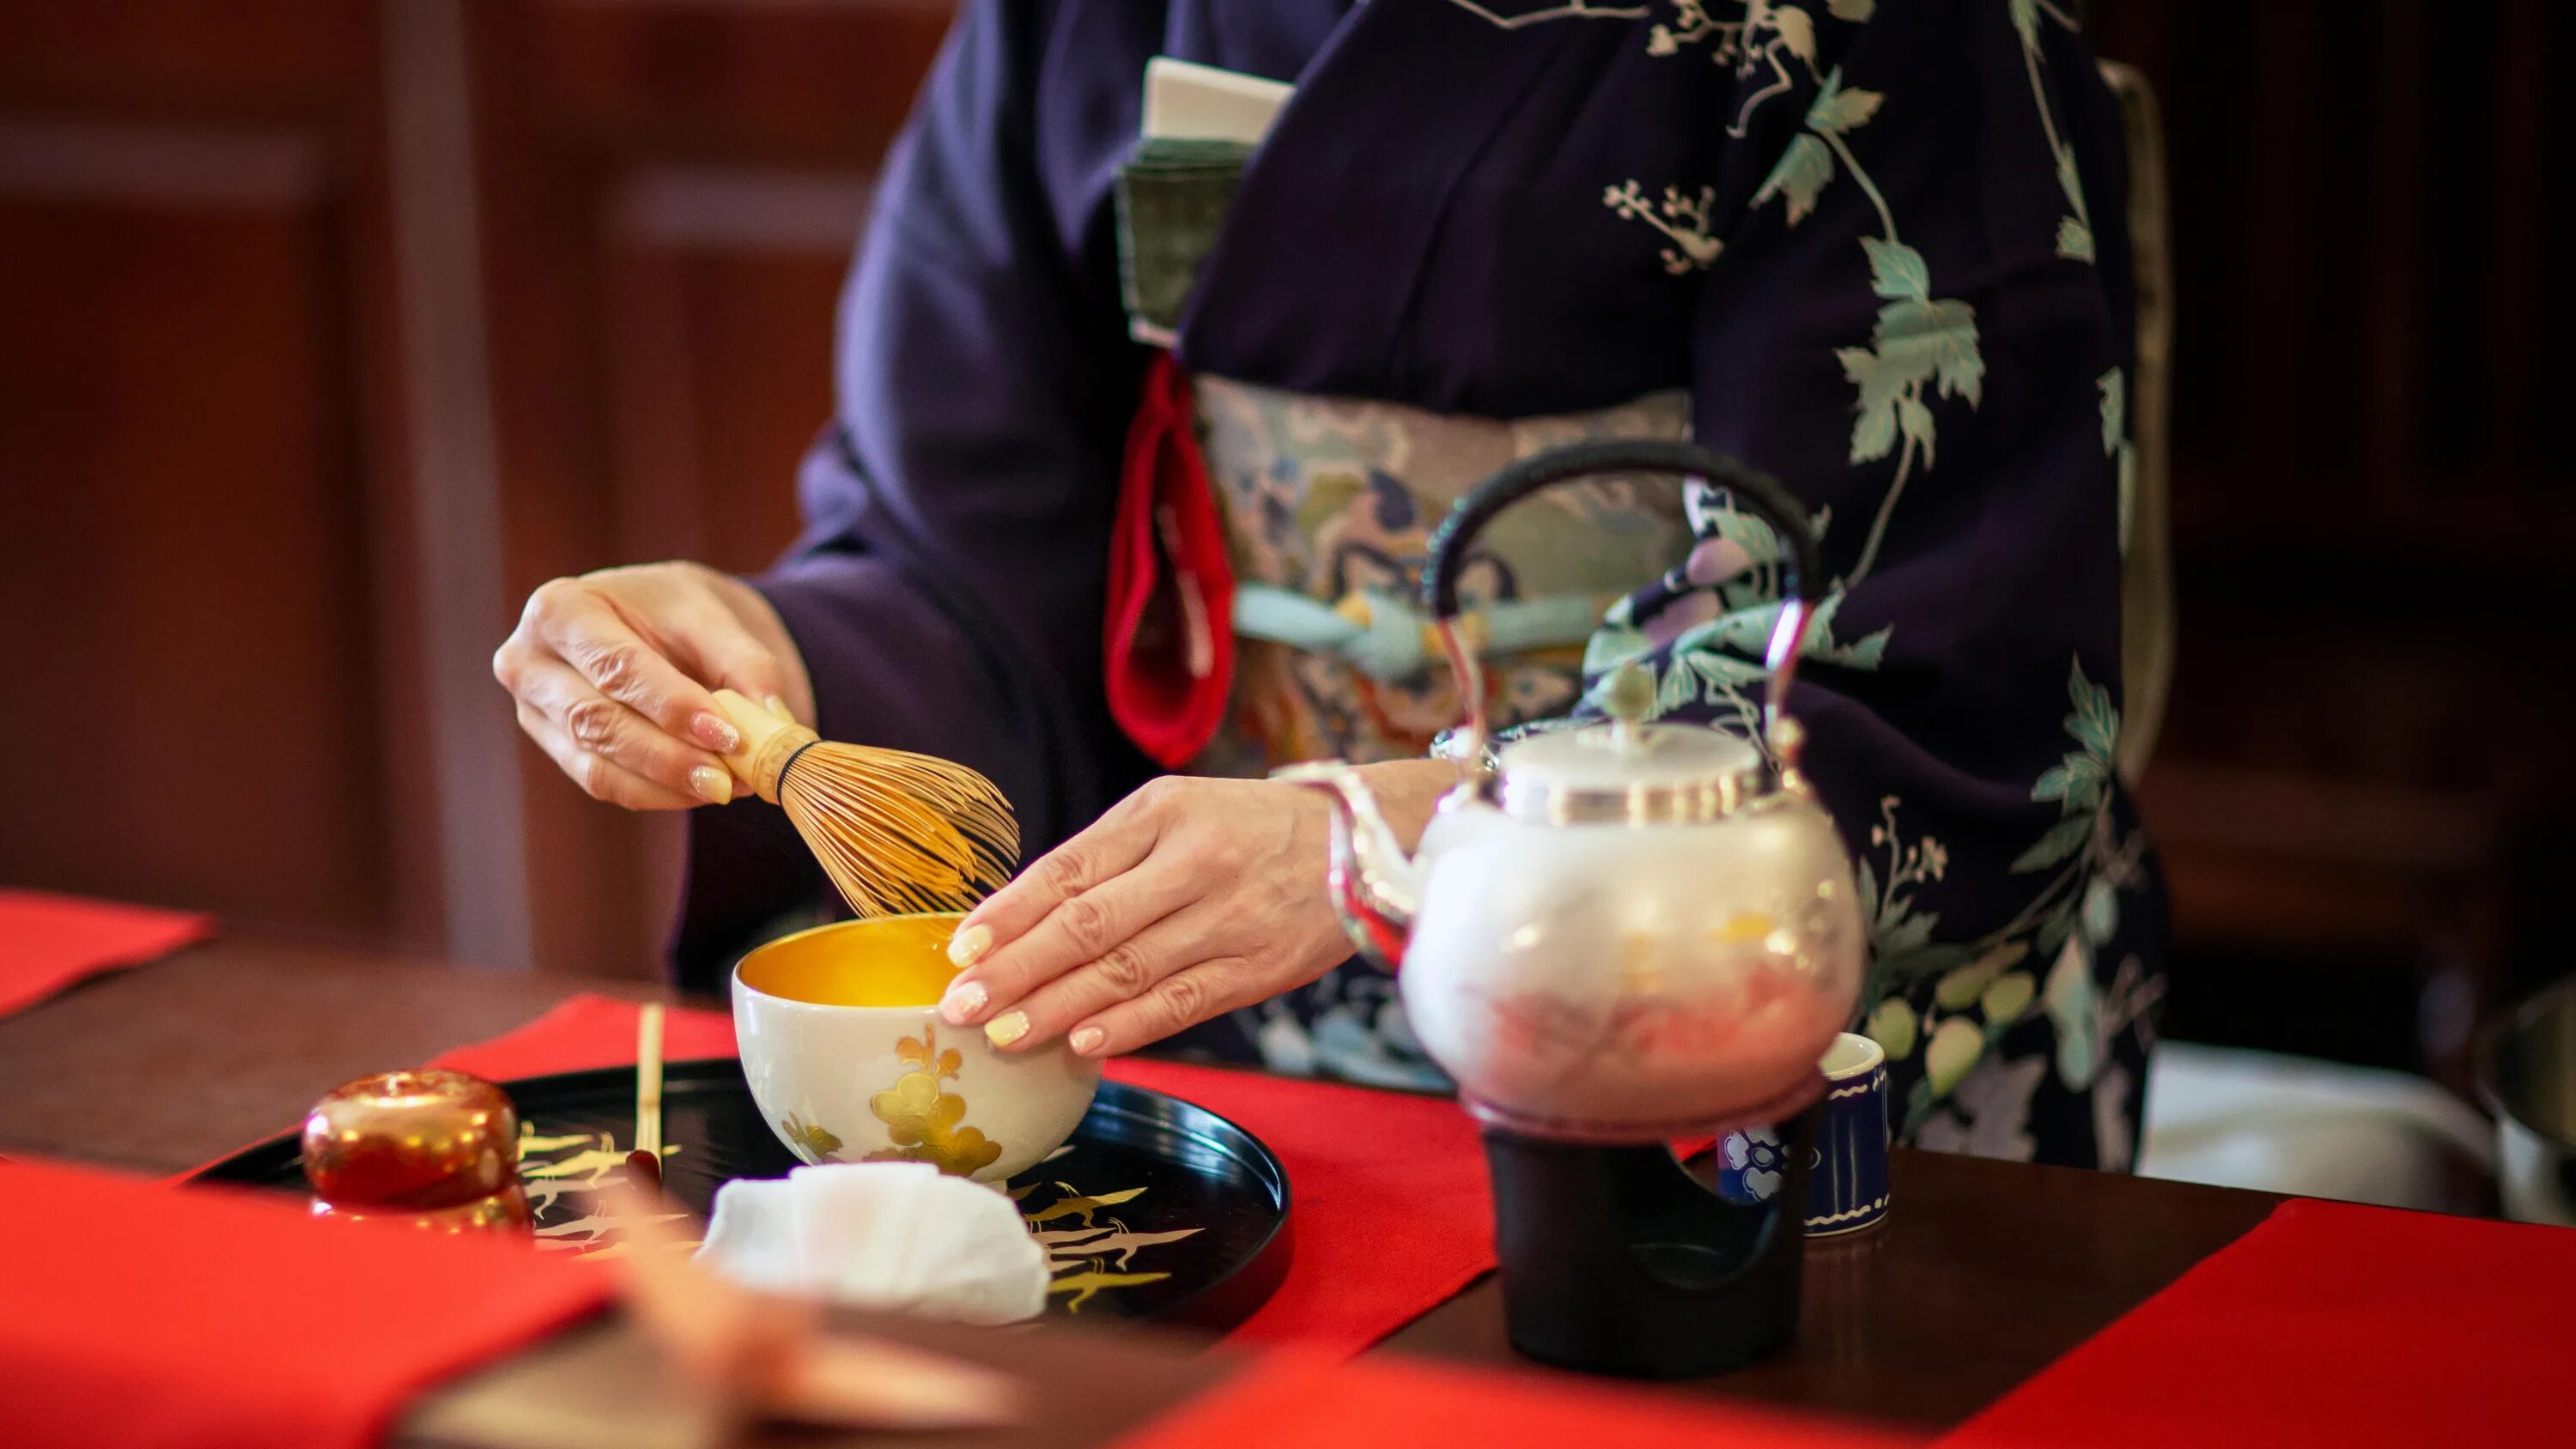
x=891 y=961
x=845 y=1052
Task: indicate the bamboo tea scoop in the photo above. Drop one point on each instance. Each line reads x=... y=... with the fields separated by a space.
x=646 y=1159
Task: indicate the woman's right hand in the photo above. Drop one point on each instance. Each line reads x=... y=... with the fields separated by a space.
x=613 y=673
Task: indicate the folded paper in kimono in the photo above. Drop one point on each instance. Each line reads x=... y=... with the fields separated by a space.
x=1201 y=125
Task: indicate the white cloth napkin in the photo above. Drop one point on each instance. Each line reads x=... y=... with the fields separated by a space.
x=896 y=1235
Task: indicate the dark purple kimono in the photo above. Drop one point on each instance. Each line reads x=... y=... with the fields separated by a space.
x=1882 y=246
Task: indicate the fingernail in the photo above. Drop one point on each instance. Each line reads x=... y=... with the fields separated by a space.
x=1007 y=1028
x=963 y=1000
x=716 y=734
x=1086 y=1040
x=713 y=785
x=968 y=946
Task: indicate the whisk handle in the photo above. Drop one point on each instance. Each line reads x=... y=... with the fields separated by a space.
x=768 y=743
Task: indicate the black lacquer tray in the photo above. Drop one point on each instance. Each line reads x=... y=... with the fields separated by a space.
x=1156 y=1209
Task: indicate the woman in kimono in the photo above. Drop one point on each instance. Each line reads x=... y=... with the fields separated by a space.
x=1874 y=247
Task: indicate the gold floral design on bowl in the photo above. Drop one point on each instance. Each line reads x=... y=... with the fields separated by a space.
x=924 y=1119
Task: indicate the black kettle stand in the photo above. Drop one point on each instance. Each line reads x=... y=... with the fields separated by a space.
x=1619 y=1260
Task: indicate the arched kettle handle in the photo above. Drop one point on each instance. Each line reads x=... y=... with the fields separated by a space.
x=1758 y=491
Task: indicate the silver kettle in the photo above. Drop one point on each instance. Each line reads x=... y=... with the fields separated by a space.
x=1627 y=931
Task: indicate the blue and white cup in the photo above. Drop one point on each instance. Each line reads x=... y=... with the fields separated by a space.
x=1847 y=1178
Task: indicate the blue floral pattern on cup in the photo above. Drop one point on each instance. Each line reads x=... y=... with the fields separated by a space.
x=1847 y=1178
x=1750 y=1165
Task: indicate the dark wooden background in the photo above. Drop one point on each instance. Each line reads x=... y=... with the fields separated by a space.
x=329 y=329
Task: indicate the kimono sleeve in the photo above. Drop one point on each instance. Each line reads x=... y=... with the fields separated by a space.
x=946 y=594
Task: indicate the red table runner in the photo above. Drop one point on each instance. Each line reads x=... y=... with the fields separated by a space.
x=2329 y=1324
x=1294 y=1401
x=1391 y=1207
x=47 y=942
x=137 y=1315
x=583 y=1032
x=1392 y=1210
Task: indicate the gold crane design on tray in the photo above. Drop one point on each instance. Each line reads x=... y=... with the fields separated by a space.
x=579 y=1163
x=1080 y=1257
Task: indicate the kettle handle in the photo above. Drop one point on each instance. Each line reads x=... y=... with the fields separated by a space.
x=1758 y=491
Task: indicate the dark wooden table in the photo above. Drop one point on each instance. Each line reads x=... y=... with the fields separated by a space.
x=1983 y=1273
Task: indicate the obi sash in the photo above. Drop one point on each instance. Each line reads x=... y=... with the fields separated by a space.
x=1266 y=568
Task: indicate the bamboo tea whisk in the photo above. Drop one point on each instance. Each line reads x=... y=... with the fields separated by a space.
x=899 y=833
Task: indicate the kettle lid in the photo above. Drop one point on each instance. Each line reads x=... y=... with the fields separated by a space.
x=1627 y=774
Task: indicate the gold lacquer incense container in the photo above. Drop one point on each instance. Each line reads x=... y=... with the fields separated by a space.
x=437 y=1149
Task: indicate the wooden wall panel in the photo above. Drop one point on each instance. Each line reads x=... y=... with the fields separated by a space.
x=2363 y=206
x=722 y=291
x=193 y=679
x=2372 y=508
x=201 y=325
x=185 y=57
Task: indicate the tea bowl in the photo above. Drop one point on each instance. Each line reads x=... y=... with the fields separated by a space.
x=847 y=1056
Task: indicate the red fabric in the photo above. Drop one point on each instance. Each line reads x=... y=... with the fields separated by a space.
x=138 y=1315
x=583 y=1032
x=47 y=942
x=1169 y=643
x=1294 y=1400
x=1392 y=1212
x=1389 y=1201
x=2329 y=1324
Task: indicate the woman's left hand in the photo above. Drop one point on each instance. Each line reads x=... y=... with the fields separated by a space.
x=1188 y=899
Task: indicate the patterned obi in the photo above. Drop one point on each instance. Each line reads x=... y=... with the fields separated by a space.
x=1328 y=506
